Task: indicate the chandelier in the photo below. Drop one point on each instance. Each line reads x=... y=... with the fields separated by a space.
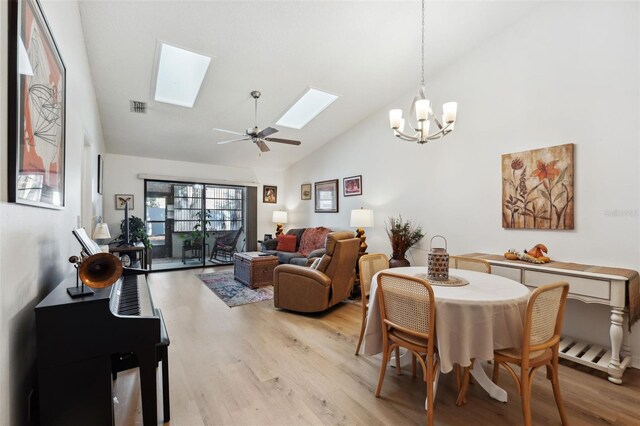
x=421 y=107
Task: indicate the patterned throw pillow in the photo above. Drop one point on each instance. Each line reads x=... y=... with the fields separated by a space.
x=286 y=243
x=313 y=239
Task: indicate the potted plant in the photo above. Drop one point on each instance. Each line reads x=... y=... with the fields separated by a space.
x=137 y=231
x=196 y=237
x=403 y=235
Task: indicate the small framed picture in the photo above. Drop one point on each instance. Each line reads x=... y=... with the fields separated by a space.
x=352 y=186
x=124 y=199
x=267 y=237
x=326 y=196
x=100 y=174
x=270 y=194
x=305 y=191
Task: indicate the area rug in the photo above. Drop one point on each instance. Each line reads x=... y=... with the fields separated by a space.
x=233 y=292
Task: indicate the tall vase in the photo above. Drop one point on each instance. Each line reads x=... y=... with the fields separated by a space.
x=398 y=260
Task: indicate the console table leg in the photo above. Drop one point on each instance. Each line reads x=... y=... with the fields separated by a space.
x=626 y=345
x=616 y=333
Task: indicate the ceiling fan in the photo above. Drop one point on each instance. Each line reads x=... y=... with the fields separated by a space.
x=255 y=134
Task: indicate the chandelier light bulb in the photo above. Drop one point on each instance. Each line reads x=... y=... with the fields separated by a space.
x=425 y=127
x=395 y=118
x=422 y=109
x=449 y=111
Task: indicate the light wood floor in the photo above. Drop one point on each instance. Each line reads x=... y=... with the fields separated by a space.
x=255 y=365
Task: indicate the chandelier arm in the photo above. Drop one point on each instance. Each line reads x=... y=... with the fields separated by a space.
x=409 y=137
x=440 y=133
x=406 y=138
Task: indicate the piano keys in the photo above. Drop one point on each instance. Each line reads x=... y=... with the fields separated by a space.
x=77 y=340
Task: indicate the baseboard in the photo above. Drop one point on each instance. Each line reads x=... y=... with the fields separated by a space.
x=635 y=361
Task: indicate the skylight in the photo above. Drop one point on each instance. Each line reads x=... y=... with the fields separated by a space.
x=312 y=103
x=180 y=75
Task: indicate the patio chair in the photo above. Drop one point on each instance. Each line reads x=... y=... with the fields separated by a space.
x=225 y=245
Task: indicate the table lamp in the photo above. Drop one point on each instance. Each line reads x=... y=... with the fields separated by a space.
x=279 y=217
x=362 y=218
x=101 y=232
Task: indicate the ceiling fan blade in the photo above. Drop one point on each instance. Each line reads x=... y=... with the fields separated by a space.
x=287 y=141
x=229 y=131
x=266 y=132
x=233 y=140
x=263 y=146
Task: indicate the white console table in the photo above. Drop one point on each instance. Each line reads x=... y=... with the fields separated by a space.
x=586 y=286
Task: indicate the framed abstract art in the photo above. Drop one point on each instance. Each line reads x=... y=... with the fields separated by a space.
x=37 y=98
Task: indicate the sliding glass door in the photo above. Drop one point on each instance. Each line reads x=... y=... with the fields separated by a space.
x=195 y=225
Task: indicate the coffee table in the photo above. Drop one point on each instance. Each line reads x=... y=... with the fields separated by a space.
x=253 y=269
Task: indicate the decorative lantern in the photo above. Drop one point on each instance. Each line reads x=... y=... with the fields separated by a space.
x=438 y=261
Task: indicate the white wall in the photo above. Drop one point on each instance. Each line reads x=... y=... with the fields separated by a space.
x=35 y=242
x=121 y=177
x=569 y=72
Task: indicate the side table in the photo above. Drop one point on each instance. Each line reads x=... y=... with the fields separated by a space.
x=135 y=248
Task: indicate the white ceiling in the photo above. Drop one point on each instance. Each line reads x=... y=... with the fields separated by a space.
x=365 y=51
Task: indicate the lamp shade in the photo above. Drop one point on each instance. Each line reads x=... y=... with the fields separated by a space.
x=362 y=218
x=101 y=232
x=279 y=216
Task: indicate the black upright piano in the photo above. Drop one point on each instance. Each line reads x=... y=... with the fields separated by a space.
x=80 y=342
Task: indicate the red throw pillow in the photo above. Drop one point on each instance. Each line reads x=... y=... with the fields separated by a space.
x=286 y=243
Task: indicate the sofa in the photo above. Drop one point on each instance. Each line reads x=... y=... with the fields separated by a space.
x=309 y=244
x=327 y=282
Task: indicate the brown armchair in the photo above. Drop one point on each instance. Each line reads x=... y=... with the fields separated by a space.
x=317 y=288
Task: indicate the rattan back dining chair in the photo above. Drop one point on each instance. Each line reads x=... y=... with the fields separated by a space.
x=469 y=264
x=408 y=313
x=540 y=345
x=368 y=266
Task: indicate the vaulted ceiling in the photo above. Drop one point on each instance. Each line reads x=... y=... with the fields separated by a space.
x=365 y=51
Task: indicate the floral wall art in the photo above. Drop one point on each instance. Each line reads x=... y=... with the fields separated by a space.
x=537 y=188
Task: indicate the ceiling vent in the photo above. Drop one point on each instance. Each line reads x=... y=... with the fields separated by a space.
x=138 y=107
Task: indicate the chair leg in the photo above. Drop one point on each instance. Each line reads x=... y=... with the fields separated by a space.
x=496 y=371
x=462 y=394
x=398 y=360
x=383 y=368
x=362 y=327
x=413 y=364
x=525 y=395
x=430 y=391
x=555 y=383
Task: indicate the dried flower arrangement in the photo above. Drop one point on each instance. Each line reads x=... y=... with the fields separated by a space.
x=403 y=235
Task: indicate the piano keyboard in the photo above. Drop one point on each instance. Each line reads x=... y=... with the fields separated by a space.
x=132 y=297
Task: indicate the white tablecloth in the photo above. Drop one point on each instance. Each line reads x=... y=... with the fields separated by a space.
x=471 y=320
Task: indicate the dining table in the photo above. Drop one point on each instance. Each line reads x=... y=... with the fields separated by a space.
x=480 y=314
